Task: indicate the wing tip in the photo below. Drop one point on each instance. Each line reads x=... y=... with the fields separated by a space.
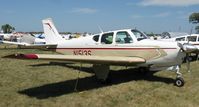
x=22 y=56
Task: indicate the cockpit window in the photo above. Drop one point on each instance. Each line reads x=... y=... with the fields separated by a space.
x=96 y=38
x=139 y=35
x=180 y=39
x=107 y=38
x=192 y=38
x=123 y=38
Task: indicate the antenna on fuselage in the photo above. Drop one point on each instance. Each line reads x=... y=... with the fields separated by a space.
x=100 y=29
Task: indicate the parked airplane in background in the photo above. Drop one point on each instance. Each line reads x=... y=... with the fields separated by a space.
x=167 y=35
x=41 y=36
x=38 y=38
x=26 y=40
x=128 y=47
x=191 y=39
x=6 y=36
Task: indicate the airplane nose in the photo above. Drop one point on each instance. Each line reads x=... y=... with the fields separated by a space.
x=187 y=48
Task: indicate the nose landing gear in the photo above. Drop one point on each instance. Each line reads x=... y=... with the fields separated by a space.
x=179 y=79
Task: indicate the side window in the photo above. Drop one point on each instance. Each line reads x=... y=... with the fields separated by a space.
x=123 y=38
x=96 y=38
x=180 y=39
x=192 y=38
x=107 y=38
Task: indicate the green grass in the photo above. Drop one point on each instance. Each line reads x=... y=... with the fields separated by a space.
x=26 y=83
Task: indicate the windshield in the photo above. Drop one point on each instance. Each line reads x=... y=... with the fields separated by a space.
x=192 y=38
x=139 y=35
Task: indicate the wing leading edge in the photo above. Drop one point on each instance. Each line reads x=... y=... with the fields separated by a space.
x=112 y=60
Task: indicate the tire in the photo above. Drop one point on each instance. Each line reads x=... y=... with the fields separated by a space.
x=179 y=82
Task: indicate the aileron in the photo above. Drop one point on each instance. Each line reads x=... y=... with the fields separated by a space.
x=115 y=60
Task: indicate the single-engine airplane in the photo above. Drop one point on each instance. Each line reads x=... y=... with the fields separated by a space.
x=128 y=47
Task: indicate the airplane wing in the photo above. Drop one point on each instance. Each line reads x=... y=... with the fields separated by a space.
x=112 y=60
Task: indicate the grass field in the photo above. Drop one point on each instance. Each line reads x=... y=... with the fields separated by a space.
x=38 y=83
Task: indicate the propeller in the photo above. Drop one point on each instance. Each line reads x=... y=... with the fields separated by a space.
x=188 y=62
x=187 y=48
x=187 y=58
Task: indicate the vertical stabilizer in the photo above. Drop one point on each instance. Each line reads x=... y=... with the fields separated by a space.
x=51 y=34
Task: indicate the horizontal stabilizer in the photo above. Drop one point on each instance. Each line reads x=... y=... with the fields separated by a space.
x=15 y=43
x=24 y=45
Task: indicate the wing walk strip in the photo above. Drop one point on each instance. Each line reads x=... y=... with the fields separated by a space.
x=86 y=59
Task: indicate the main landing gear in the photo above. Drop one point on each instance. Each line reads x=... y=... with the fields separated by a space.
x=102 y=72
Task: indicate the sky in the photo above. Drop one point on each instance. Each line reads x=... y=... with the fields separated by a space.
x=154 y=16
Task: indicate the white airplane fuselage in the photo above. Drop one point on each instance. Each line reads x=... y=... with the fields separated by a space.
x=158 y=54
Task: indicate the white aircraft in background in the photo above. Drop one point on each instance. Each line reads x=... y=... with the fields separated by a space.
x=192 y=39
x=38 y=39
x=128 y=47
x=6 y=36
x=26 y=40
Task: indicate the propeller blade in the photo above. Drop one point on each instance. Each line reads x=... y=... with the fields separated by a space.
x=188 y=48
x=188 y=62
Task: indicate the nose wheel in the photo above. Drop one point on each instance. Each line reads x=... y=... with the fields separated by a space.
x=179 y=82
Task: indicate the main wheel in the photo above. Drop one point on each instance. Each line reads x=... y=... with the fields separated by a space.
x=179 y=82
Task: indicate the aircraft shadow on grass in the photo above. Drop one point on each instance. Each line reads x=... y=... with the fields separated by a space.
x=89 y=83
x=65 y=64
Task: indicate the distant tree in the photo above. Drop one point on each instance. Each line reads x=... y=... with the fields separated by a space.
x=7 y=28
x=197 y=29
x=194 y=18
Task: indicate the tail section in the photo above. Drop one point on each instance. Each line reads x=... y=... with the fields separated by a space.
x=51 y=34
